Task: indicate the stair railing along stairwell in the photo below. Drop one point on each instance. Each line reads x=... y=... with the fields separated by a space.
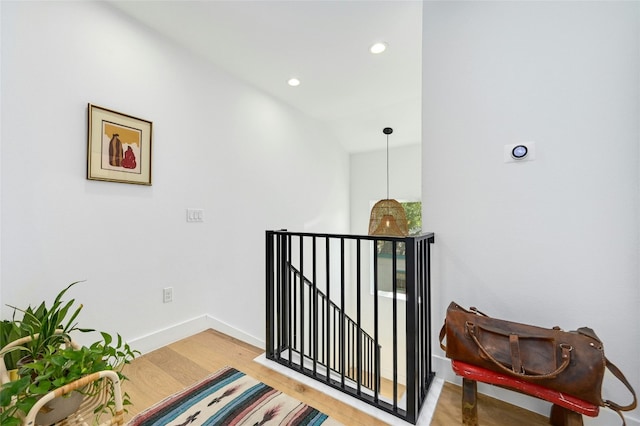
x=335 y=357
x=353 y=312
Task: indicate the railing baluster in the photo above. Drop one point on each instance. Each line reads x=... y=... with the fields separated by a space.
x=348 y=351
x=394 y=303
x=290 y=300
x=358 y=316
x=278 y=292
x=302 y=287
x=328 y=307
x=309 y=331
x=336 y=338
x=314 y=302
x=286 y=282
x=269 y=293
x=376 y=381
x=324 y=331
x=420 y=319
x=413 y=384
x=424 y=323
x=427 y=308
x=342 y=314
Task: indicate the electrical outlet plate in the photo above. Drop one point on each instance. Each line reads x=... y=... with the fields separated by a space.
x=167 y=294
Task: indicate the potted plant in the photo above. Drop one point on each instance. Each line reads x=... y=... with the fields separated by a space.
x=48 y=325
x=44 y=325
x=53 y=360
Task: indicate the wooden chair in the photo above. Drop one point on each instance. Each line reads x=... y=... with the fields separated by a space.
x=566 y=410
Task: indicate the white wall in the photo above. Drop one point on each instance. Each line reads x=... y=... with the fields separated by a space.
x=249 y=161
x=552 y=241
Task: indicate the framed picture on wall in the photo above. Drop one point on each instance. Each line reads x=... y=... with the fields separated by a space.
x=119 y=147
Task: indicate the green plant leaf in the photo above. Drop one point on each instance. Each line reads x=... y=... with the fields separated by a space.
x=13 y=388
x=11 y=421
x=40 y=387
x=26 y=404
x=107 y=338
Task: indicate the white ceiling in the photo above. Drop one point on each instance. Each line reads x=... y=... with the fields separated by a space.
x=322 y=42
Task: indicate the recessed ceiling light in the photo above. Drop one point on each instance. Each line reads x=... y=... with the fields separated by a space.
x=378 y=48
x=293 y=82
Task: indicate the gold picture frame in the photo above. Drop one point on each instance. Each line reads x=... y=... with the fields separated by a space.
x=119 y=147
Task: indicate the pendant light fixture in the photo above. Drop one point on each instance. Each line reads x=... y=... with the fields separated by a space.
x=387 y=216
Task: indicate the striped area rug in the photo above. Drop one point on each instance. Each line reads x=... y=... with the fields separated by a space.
x=230 y=397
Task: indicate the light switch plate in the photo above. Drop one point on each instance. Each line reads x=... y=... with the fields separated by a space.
x=195 y=215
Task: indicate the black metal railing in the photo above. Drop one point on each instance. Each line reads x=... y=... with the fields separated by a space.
x=353 y=312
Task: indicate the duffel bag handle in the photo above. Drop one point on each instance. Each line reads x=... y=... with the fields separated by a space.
x=566 y=358
x=616 y=407
x=618 y=374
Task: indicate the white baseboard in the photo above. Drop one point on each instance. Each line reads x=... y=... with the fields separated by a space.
x=184 y=329
x=229 y=330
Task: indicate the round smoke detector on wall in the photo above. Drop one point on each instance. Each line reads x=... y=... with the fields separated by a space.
x=519 y=152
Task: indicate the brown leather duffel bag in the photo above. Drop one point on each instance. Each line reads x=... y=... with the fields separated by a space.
x=572 y=362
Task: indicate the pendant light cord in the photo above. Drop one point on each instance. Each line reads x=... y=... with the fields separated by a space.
x=387 y=167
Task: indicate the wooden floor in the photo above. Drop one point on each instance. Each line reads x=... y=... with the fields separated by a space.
x=160 y=373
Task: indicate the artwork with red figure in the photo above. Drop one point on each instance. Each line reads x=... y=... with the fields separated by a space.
x=121 y=148
x=129 y=161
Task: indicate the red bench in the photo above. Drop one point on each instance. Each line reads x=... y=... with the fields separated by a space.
x=566 y=410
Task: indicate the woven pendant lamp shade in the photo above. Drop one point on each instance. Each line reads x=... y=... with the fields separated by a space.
x=388 y=218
